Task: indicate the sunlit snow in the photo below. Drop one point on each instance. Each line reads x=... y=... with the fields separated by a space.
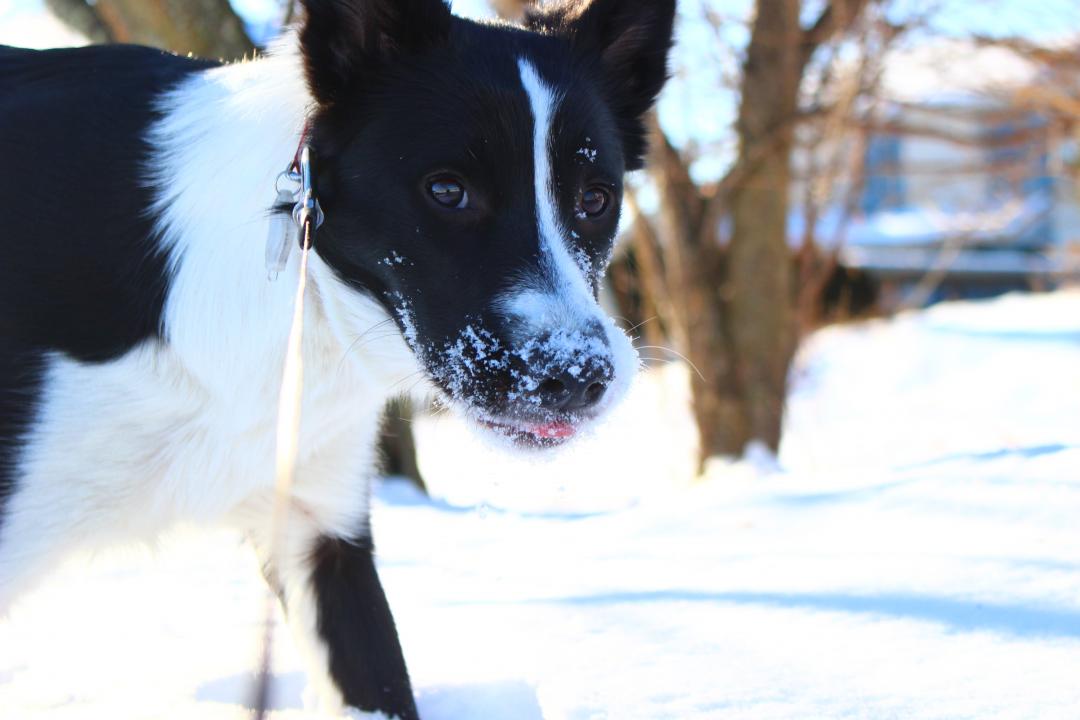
x=912 y=553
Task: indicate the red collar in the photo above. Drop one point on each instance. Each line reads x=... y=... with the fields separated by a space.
x=305 y=135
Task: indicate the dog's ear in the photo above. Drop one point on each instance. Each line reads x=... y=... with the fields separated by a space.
x=345 y=40
x=630 y=39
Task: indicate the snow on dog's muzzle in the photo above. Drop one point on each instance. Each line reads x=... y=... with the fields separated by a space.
x=538 y=390
x=568 y=373
x=565 y=377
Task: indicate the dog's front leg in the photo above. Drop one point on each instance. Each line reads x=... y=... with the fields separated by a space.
x=366 y=663
x=338 y=612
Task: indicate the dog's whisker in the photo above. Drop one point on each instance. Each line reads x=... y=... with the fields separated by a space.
x=407 y=378
x=643 y=322
x=677 y=354
x=354 y=344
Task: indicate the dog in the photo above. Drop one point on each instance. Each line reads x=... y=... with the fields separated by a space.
x=470 y=175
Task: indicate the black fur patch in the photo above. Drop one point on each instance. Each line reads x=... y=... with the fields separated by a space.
x=81 y=273
x=20 y=386
x=354 y=621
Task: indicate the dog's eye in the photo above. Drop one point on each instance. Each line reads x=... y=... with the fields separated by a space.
x=595 y=201
x=449 y=192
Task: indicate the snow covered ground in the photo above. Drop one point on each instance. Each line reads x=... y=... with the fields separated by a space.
x=915 y=553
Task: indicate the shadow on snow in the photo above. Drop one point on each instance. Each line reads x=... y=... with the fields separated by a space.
x=954 y=614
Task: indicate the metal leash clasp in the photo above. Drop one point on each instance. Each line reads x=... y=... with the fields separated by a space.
x=293 y=187
x=307 y=209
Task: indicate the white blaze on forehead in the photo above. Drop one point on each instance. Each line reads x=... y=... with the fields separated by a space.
x=559 y=305
x=567 y=277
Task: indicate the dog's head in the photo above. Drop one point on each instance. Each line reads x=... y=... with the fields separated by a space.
x=471 y=176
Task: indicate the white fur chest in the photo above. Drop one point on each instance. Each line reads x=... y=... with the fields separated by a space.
x=146 y=445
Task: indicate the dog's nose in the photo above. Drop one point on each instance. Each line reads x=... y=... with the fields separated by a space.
x=576 y=388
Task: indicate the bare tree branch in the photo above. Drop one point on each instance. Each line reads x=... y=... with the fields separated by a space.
x=1055 y=57
x=837 y=18
x=679 y=192
x=653 y=275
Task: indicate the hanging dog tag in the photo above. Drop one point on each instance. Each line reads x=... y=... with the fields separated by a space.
x=282 y=237
x=283 y=230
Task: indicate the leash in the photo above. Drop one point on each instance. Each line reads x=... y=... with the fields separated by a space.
x=306 y=217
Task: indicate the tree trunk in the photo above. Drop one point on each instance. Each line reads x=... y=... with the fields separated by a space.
x=759 y=272
x=206 y=28
x=512 y=10
x=729 y=306
x=397 y=445
x=732 y=304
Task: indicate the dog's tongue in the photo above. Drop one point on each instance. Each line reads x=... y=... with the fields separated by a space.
x=553 y=430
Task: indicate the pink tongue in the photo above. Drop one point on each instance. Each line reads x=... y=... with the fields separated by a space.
x=554 y=430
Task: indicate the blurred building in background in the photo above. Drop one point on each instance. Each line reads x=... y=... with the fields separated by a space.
x=959 y=191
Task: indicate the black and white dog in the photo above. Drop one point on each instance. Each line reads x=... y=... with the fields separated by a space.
x=471 y=179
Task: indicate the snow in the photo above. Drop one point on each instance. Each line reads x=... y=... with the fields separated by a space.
x=912 y=552
x=588 y=153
